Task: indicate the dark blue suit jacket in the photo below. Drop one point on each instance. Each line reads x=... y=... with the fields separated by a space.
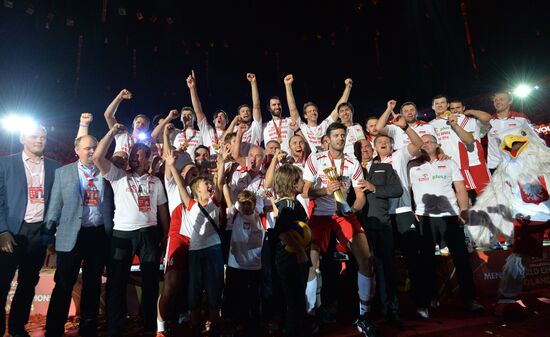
x=14 y=191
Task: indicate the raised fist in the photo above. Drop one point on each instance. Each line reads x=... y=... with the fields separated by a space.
x=294 y=126
x=251 y=77
x=289 y=79
x=86 y=118
x=391 y=104
x=125 y=94
x=348 y=82
x=168 y=127
x=118 y=128
x=173 y=114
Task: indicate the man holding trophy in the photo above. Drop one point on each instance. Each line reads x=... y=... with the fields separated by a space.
x=328 y=176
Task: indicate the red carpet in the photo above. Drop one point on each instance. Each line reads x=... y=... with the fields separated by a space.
x=450 y=320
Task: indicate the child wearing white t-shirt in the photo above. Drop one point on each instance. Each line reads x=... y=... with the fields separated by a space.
x=206 y=271
x=244 y=265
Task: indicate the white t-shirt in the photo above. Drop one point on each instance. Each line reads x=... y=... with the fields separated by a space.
x=252 y=136
x=203 y=234
x=353 y=134
x=211 y=137
x=285 y=133
x=126 y=187
x=501 y=127
x=450 y=141
x=432 y=185
x=245 y=251
x=125 y=141
x=313 y=134
x=313 y=172
x=399 y=160
x=192 y=137
x=401 y=139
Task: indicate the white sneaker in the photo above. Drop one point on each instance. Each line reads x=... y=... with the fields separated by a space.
x=423 y=313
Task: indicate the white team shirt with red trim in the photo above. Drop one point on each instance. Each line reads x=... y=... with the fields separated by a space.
x=313 y=134
x=192 y=137
x=252 y=136
x=401 y=139
x=500 y=128
x=313 y=172
x=127 y=215
x=247 y=238
x=432 y=186
x=203 y=234
x=209 y=136
x=450 y=141
x=270 y=132
x=354 y=133
x=399 y=160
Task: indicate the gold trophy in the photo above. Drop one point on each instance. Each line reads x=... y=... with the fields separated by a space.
x=341 y=203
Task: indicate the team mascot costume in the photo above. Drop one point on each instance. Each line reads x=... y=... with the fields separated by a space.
x=515 y=205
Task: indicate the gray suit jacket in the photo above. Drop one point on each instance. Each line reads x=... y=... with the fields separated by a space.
x=14 y=190
x=65 y=208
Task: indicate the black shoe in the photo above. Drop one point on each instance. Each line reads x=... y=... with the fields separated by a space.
x=474 y=307
x=393 y=319
x=366 y=327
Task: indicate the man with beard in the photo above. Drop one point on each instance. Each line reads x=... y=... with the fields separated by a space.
x=354 y=131
x=409 y=112
x=185 y=140
x=370 y=127
x=311 y=130
x=141 y=123
x=81 y=215
x=26 y=179
x=140 y=200
x=279 y=128
x=251 y=123
x=320 y=187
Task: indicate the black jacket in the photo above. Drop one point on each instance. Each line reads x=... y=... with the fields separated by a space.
x=388 y=185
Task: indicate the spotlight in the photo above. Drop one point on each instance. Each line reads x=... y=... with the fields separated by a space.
x=14 y=123
x=522 y=90
x=142 y=136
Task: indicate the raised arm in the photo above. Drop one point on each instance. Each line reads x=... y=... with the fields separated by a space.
x=111 y=109
x=170 y=162
x=220 y=175
x=465 y=136
x=344 y=98
x=231 y=127
x=383 y=120
x=158 y=131
x=482 y=116
x=102 y=163
x=256 y=110
x=294 y=113
x=416 y=142
x=272 y=166
x=85 y=121
x=236 y=145
x=195 y=101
